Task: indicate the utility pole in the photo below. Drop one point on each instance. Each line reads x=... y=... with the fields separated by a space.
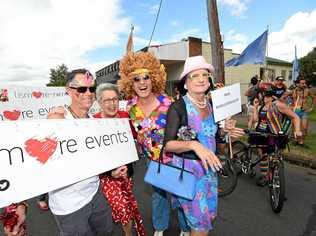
x=216 y=41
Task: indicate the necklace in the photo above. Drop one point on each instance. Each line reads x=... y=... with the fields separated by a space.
x=199 y=104
x=74 y=114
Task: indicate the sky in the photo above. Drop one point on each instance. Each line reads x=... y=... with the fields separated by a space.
x=36 y=35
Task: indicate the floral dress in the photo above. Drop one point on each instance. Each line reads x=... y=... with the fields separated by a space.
x=150 y=130
x=201 y=211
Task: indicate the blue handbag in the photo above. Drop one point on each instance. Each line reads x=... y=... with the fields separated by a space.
x=172 y=179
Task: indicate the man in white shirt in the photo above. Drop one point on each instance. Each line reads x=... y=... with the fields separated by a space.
x=80 y=209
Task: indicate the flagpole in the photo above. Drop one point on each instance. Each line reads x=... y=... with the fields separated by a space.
x=267 y=53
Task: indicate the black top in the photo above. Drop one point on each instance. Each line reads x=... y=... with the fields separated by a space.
x=278 y=92
x=176 y=117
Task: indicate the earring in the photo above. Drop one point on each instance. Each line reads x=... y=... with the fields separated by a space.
x=185 y=87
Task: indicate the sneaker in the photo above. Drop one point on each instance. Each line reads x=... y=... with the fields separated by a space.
x=262 y=181
x=158 y=233
x=182 y=233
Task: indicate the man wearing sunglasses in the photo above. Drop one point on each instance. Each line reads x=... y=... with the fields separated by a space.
x=80 y=209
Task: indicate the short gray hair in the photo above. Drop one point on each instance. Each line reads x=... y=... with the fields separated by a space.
x=106 y=87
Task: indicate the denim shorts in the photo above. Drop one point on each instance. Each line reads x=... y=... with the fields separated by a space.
x=302 y=114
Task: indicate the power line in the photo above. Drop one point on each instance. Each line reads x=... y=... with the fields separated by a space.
x=156 y=20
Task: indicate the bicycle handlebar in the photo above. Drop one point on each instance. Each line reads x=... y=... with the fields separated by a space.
x=251 y=132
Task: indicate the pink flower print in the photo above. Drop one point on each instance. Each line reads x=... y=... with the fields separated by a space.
x=163 y=108
x=195 y=121
x=145 y=123
x=166 y=101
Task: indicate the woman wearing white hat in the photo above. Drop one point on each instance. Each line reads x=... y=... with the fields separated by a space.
x=195 y=109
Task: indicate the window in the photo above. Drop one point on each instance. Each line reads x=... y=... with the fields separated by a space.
x=283 y=73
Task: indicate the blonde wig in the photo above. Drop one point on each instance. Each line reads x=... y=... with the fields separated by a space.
x=134 y=64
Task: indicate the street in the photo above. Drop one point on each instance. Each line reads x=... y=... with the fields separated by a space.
x=245 y=212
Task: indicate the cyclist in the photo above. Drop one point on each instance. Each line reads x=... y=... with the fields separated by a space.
x=269 y=120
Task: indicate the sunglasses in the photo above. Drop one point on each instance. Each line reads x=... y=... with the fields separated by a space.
x=84 y=89
x=138 y=79
x=198 y=76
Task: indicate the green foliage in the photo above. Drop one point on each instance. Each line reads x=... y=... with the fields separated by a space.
x=58 y=76
x=312 y=116
x=308 y=66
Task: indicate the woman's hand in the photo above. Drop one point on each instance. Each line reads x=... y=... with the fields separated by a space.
x=120 y=172
x=18 y=228
x=232 y=130
x=208 y=158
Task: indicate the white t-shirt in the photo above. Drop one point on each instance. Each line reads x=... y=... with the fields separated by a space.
x=69 y=199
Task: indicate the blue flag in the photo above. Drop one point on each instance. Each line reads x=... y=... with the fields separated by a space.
x=295 y=68
x=253 y=54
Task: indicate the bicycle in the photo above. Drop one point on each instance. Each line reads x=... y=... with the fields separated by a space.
x=227 y=177
x=244 y=162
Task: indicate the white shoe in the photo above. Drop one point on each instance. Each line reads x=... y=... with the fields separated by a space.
x=184 y=233
x=158 y=233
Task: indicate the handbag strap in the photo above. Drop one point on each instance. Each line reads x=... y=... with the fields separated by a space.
x=160 y=160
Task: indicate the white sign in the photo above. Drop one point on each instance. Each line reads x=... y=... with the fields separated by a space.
x=28 y=103
x=29 y=93
x=39 y=156
x=226 y=101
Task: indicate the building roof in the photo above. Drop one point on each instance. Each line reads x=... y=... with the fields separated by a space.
x=275 y=61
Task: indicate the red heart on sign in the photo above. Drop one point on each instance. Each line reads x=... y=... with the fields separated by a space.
x=12 y=115
x=36 y=94
x=42 y=150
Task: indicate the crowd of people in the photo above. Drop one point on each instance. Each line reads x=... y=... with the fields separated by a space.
x=90 y=207
x=272 y=108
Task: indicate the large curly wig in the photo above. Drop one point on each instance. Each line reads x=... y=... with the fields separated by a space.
x=141 y=60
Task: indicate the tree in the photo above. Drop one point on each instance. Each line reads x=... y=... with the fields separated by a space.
x=58 y=76
x=308 y=66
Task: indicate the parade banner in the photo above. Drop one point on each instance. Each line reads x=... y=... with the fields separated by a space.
x=27 y=103
x=226 y=102
x=39 y=156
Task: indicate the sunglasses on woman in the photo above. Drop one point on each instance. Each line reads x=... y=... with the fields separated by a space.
x=84 y=89
x=139 y=78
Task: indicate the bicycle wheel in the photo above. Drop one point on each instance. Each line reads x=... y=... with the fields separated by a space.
x=240 y=153
x=277 y=186
x=227 y=178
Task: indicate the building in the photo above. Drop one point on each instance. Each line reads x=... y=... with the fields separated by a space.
x=173 y=55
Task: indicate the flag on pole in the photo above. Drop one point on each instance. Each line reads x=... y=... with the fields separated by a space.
x=253 y=54
x=295 y=68
x=129 y=47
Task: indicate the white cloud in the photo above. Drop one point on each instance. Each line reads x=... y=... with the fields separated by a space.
x=299 y=30
x=174 y=23
x=153 y=9
x=237 y=7
x=235 y=41
x=38 y=35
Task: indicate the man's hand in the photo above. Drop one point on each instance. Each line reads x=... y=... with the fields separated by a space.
x=232 y=130
x=57 y=113
x=120 y=172
x=256 y=103
x=18 y=229
x=298 y=134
